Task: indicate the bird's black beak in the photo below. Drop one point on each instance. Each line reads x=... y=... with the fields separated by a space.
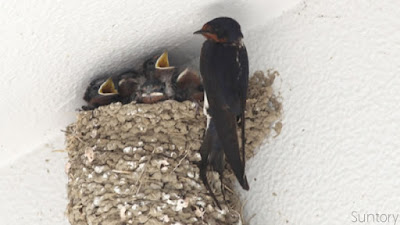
x=199 y=32
x=204 y=30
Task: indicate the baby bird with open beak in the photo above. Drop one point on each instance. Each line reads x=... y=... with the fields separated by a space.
x=159 y=75
x=105 y=90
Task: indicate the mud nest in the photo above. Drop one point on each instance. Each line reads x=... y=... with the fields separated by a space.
x=136 y=163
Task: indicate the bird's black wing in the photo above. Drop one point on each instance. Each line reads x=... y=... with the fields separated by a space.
x=220 y=72
x=243 y=84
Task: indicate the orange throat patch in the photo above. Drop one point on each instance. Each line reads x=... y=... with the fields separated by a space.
x=214 y=37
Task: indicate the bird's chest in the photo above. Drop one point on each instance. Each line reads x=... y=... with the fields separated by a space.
x=220 y=70
x=219 y=63
x=219 y=56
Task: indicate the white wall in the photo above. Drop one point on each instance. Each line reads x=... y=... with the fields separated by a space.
x=339 y=66
x=339 y=150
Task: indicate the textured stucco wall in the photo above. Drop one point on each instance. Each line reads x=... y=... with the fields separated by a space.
x=339 y=148
x=339 y=66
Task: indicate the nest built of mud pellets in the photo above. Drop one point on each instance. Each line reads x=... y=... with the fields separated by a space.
x=136 y=163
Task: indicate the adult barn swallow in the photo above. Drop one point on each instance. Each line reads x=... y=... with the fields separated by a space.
x=224 y=68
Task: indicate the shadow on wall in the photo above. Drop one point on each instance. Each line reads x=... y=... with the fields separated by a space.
x=183 y=51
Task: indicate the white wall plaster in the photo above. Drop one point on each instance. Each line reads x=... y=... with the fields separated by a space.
x=339 y=66
x=339 y=148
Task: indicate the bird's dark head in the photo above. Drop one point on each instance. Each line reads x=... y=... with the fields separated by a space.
x=222 y=29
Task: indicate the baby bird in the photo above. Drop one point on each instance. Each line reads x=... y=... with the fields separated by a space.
x=105 y=90
x=188 y=86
